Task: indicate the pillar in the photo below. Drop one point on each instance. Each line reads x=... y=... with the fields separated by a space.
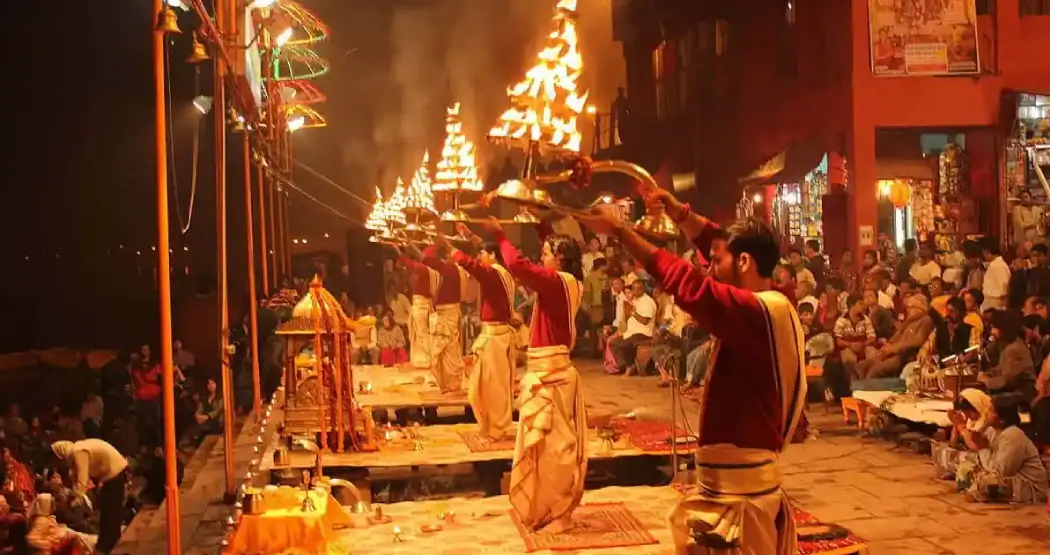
x=862 y=229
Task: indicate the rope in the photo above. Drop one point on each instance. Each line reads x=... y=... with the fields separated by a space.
x=296 y=188
x=184 y=225
x=322 y=177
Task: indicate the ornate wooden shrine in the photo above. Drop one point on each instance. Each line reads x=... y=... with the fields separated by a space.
x=318 y=375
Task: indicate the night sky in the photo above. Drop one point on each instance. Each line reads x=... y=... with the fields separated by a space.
x=79 y=196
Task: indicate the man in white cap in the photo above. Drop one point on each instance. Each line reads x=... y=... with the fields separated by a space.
x=96 y=460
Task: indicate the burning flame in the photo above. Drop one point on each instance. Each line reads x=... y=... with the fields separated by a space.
x=547 y=104
x=377 y=218
x=420 y=194
x=457 y=170
x=394 y=211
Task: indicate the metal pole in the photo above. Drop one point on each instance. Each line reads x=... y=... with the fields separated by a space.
x=253 y=310
x=219 y=113
x=171 y=471
x=263 y=248
x=282 y=229
x=287 y=219
x=272 y=97
x=674 y=428
x=271 y=256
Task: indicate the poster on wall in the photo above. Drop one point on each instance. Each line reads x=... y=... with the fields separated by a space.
x=923 y=37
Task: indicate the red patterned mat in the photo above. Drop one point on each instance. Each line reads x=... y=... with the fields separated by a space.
x=650 y=436
x=597 y=526
x=842 y=543
x=819 y=538
x=478 y=443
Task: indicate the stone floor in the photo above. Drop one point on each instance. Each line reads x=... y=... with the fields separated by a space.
x=881 y=492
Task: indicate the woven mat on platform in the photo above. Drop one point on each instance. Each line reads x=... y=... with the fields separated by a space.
x=596 y=526
x=650 y=436
x=478 y=443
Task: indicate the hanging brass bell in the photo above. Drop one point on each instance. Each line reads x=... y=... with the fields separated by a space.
x=168 y=22
x=657 y=225
x=198 y=52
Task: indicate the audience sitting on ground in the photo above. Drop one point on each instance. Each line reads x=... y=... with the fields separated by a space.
x=391 y=341
x=854 y=334
x=904 y=346
x=1014 y=371
x=47 y=536
x=1007 y=467
x=364 y=341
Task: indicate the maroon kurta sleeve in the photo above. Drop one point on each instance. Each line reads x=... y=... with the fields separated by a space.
x=703 y=242
x=494 y=307
x=448 y=292
x=551 y=323
x=543 y=281
x=729 y=313
x=420 y=277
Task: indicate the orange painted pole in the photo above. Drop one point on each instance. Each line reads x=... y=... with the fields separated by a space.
x=253 y=300
x=219 y=113
x=171 y=471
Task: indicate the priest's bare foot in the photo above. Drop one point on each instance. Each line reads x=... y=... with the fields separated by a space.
x=559 y=526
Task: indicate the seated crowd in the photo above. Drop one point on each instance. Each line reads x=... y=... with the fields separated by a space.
x=50 y=505
x=893 y=323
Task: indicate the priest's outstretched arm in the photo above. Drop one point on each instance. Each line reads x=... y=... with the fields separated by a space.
x=732 y=314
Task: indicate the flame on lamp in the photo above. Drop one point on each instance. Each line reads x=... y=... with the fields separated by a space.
x=395 y=206
x=547 y=103
x=457 y=170
x=420 y=193
x=377 y=218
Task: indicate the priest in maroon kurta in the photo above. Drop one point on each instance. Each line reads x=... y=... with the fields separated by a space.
x=425 y=282
x=491 y=380
x=446 y=340
x=755 y=389
x=550 y=451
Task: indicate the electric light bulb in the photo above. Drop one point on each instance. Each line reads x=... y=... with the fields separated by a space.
x=283 y=37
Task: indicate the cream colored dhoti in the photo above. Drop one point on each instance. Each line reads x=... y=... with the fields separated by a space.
x=550 y=454
x=447 y=348
x=419 y=332
x=491 y=392
x=737 y=508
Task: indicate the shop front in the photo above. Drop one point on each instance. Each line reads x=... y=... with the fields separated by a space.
x=1027 y=164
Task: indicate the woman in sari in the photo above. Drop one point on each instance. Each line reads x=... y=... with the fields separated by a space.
x=969 y=417
x=47 y=537
x=391 y=340
x=1005 y=468
x=18 y=479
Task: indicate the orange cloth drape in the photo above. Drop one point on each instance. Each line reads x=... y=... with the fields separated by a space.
x=284 y=526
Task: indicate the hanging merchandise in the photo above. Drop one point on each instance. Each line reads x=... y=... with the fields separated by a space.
x=954 y=179
x=814 y=189
x=922 y=209
x=787 y=209
x=745 y=207
x=953 y=184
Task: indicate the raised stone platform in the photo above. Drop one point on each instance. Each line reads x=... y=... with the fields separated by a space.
x=884 y=494
x=443 y=445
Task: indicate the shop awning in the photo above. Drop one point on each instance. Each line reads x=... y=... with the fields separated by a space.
x=789 y=166
x=905 y=168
